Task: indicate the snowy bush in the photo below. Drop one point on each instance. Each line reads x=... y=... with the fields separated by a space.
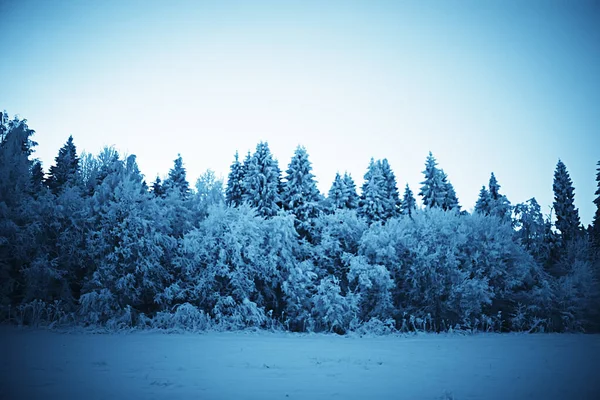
x=230 y=315
x=97 y=307
x=185 y=317
x=375 y=326
x=331 y=311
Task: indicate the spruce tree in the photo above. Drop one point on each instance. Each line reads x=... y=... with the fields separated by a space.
x=177 y=182
x=351 y=196
x=482 y=206
x=337 y=193
x=66 y=169
x=596 y=222
x=433 y=190
x=372 y=199
x=567 y=216
x=300 y=194
x=499 y=206
x=392 y=200
x=234 y=192
x=37 y=176
x=262 y=181
x=409 y=204
x=157 y=188
x=450 y=201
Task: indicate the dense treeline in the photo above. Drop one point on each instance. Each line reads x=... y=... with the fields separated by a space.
x=90 y=242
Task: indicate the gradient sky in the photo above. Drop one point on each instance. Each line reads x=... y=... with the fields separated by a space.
x=502 y=86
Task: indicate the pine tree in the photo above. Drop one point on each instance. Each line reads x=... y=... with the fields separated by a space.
x=372 y=200
x=177 y=182
x=392 y=200
x=337 y=194
x=433 y=190
x=409 y=204
x=567 y=216
x=262 y=181
x=450 y=200
x=37 y=176
x=66 y=169
x=596 y=222
x=234 y=192
x=300 y=194
x=157 y=188
x=482 y=206
x=498 y=203
x=350 y=195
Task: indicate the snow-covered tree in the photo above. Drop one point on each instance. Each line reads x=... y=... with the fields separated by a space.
x=337 y=193
x=596 y=222
x=66 y=169
x=531 y=228
x=234 y=192
x=434 y=188
x=483 y=206
x=351 y=195
x=409 y=204
x=331 y=310
x=567 y=216
x=300 y=194
x=391 y=203
x=176 y=181
x=372 y=199
x=157 y=188
x=499 y=204
x=450 y=201
x=262 y=181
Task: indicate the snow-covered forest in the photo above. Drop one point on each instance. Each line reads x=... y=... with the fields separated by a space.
x=91 y=242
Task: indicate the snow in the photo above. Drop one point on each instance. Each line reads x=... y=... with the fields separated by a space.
x=40 y=364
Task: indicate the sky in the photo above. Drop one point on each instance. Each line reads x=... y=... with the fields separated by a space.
x=487 y=86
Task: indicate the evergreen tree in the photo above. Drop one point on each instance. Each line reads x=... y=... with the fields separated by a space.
x=177 y=182
x=235 y=190
x=409 y=204
x=371 y=203
x=567 y=216
x=157 y=188
x=300 y=194
x=450 y=200
x=499 y=206
x=434 y=188
x=262 y=181
x=596 y=222
x=66 y=169
x=337 y=194
x=482 y=206
x=392 y=200
x=350 y=195
x=37 y=176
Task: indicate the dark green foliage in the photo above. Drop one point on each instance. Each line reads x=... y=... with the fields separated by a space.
x=234 y=193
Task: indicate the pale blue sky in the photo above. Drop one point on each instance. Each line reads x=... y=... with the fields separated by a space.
x=501 y=86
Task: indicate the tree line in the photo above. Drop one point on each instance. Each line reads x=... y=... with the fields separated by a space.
x=89 y=242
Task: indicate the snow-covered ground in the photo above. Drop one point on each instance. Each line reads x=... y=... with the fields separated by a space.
x=38 y=364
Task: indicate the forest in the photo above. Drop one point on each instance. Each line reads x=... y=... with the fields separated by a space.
x=90 y=242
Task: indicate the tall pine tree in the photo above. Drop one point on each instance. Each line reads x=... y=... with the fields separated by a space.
x=409 y=204
x=434 y=188
x=391 y=202
x=66 y=169
x=336 y=198
x=351 y=196
x=262 y=181
x=177 y=182
x=450 y=200
x=300 y=194
x=567 y=216
x=596 y=222
x=372 y=199
x=234 y=192
x=482 y=206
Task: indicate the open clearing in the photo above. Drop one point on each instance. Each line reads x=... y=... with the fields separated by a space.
x=39 y=364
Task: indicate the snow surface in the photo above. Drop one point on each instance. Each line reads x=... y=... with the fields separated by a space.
x=39 y=364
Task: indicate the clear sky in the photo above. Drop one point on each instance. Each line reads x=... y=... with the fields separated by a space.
x=502 y=86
